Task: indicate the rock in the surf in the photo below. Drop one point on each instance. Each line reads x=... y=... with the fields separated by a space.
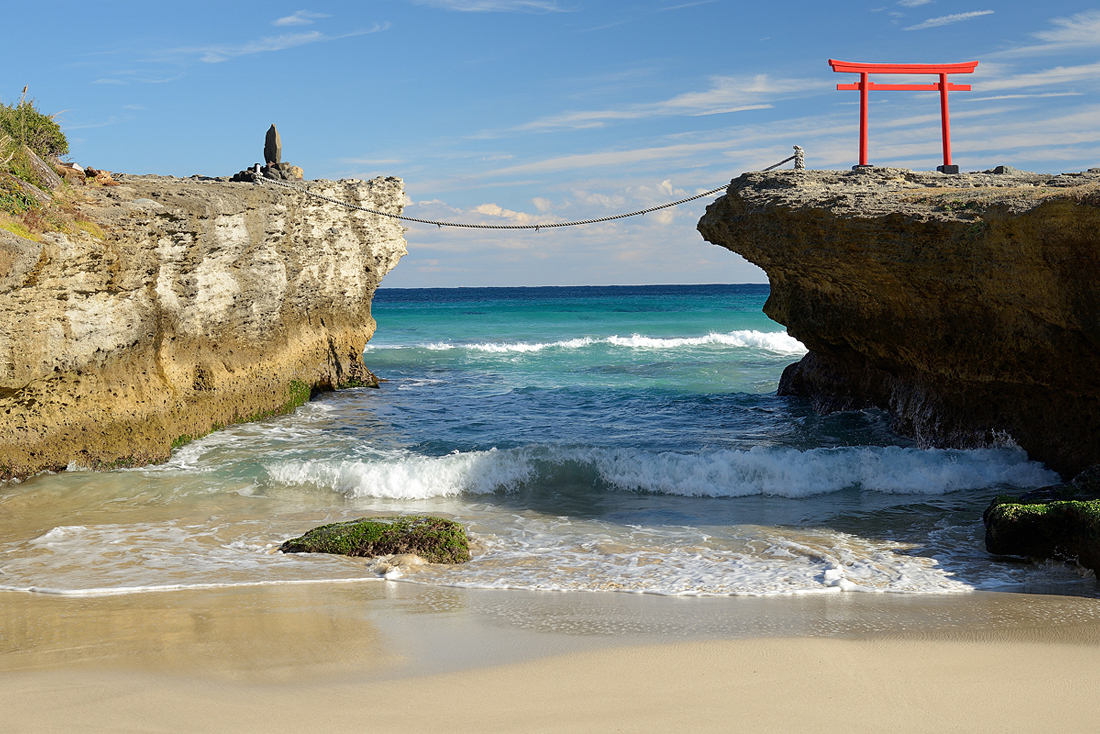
x=432 y=538
x=1060 y=522
x=967 y=306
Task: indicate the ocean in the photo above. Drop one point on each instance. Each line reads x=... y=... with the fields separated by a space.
x=591 y=439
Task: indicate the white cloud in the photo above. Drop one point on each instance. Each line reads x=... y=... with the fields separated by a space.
x=1079 y=31
x=132 y=78
x=217 y=54
x=1024 y=96
x=1082 y=29
x=948 y=19
x=1088 y=73
x=913 y=3
x=374 y=161
x=494 y=6
x=302 y=17
x=726 y=94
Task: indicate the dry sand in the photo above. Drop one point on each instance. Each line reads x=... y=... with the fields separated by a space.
x=360 y=658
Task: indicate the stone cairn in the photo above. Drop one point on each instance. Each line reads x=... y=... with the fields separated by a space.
x=275 y=167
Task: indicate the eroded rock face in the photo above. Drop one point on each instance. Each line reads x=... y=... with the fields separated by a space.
x=207 y=303
x=968 y=306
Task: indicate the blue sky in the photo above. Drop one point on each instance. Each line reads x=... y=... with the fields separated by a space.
x=526 y=111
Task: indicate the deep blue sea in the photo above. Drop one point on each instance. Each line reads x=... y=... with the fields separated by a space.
x=591 y=438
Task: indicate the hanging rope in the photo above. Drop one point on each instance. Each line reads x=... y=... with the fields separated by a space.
x=797 y=157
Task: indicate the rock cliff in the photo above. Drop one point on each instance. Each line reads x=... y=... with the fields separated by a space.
x=968 y=306
x=206 y=303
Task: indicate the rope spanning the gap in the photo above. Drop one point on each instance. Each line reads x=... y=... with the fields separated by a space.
x=261 y=179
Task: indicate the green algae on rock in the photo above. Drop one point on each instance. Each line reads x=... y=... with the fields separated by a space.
x=1060 y=522
x=434 y=539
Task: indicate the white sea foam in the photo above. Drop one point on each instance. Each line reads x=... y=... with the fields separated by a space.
x=777 y=471
x=402 y=475
x=775 y=341
x=548 y=554
x=771 y=341
x=789 y=472
x=525 y=348
x=59 y=534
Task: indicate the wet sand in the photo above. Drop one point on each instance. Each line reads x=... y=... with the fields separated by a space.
x=401 y=657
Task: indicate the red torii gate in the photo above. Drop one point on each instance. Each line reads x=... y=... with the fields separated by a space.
x=942 y=86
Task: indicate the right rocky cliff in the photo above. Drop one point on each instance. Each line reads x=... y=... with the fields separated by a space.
x=968 y=306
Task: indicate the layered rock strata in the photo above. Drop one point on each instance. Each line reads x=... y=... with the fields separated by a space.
x=968 y=306
x=207 y=303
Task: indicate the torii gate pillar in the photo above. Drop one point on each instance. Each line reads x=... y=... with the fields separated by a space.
x=864 y=85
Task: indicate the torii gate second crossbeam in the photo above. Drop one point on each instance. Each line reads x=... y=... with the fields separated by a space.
x=942 y=86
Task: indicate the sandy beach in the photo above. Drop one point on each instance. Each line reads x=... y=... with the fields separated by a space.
x=408 y=658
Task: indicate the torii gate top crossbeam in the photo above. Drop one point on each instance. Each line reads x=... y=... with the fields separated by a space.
x=942 y=86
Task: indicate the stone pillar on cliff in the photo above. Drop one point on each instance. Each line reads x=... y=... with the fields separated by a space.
x=273 y=147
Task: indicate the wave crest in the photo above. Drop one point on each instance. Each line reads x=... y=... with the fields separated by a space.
x=778 y=471
x=772 y=341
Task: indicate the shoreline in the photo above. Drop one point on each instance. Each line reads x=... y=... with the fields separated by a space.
x=407 y=657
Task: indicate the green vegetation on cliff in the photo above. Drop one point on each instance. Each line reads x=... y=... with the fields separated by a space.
x=29 y=205
x=434 y=539
x=23 y=124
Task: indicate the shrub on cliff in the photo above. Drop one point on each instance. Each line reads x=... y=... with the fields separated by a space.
x=24 y=124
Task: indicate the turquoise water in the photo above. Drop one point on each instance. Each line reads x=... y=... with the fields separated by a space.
x=592 y=439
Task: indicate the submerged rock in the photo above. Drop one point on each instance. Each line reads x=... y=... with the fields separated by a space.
x=434 y=539
x=1060 y=522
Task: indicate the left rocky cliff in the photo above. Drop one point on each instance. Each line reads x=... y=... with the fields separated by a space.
x=206 y=303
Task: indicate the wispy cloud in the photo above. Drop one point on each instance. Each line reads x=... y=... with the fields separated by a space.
x=726 y=94
x=302 y=17
x=131 y=77
x=112 y=120
x=1060 y=75
x=608 y=158
x=1082 y=29
x=217 y=54
x=495 y=6
x=639 y=14
x=1024 y=96
x=1076 y=32
x=913 y=3
x=948 y=19
x=373 y=161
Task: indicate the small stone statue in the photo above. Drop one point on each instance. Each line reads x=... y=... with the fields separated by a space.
x=799 y=158
x=274 y=167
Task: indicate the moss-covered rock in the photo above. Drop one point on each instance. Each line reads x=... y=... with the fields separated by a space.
x=434 y=539
x=1060 y=522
